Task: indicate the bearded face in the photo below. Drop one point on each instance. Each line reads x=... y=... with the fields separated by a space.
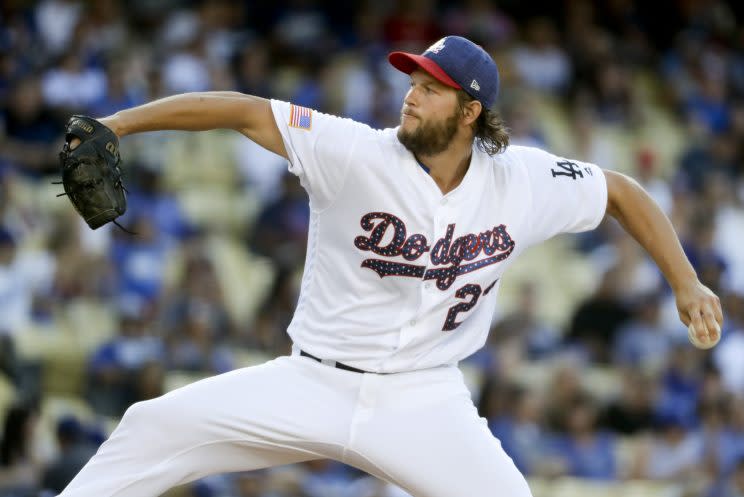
x=429 y=137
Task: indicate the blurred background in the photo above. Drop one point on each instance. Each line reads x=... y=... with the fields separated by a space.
x=587 y=378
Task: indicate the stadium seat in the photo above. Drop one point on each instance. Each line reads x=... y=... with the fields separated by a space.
x=244 y=276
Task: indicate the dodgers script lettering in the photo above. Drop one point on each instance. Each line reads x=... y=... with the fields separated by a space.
x=452 y=254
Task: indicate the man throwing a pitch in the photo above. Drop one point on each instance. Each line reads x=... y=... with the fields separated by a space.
x=411 y=230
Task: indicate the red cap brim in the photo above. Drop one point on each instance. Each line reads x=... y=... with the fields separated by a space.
x=408 y=62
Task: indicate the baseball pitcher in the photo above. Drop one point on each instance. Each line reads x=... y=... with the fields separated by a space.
x=410 y=233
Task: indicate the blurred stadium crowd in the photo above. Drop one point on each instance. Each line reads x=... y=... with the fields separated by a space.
x=587 y=379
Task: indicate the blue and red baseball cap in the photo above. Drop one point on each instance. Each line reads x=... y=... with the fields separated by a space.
x=456 y=62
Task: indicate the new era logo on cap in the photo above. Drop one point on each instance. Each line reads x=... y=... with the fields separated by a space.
x=437 y=47
x=456 y=62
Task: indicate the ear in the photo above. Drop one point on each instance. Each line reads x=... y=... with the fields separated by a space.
x=471 y=111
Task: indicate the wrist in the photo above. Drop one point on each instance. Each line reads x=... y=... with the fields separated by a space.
x=679 y=282
x=114 y=123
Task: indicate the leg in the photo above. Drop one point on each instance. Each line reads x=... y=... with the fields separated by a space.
x=424 y=434
x=281 y=412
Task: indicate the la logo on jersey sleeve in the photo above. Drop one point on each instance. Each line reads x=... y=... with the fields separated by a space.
x=300 y=117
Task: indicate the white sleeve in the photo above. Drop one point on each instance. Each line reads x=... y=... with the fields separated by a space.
x=319 y=147
x=567 y=196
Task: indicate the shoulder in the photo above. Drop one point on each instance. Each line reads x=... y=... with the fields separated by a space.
x=512 y=162
x=298 y=116
x=532 y=162
x=521 y=155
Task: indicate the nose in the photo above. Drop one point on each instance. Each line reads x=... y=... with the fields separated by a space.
x=410 y=99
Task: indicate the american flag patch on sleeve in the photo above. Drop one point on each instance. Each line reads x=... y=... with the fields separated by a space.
x=300 y=117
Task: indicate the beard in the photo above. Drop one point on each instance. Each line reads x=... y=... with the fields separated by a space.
x=429 y=138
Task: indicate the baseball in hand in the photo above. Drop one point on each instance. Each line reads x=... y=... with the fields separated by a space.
x=709 y=343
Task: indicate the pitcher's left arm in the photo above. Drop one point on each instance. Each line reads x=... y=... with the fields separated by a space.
x=642 y=218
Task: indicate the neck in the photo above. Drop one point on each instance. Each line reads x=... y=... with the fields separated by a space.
x=448 y=168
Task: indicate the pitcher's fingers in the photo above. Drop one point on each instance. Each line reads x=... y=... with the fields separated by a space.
x=714 y=329
x=701 y=331
x=718 y=312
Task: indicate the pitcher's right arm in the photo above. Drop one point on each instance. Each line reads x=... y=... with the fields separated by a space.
x=249 y=115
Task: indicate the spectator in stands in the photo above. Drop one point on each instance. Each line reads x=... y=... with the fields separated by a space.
x=194 y=346
x=116 y=369
x=140 y=261
x=585 y=451
x=674 y=453
x=23 y=273
x=82 y=270
x=520 y=430
x=680 y=386
x=632 y=412
x=71 y=86
x=29 y=130
x=198 y=288
x=74 y=451
x=563 y=392
x=596 y=320
x=118 y=95
x=148 y=198
x=535 y=336
x=719 y=442
x=708 y=104
x=616 y=102
x=541 y=62
x=641 y=342
x=56 y=21
x=705 y=156
x=252 y=68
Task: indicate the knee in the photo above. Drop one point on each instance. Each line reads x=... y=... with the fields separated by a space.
x=148 y=415
x=161 y=415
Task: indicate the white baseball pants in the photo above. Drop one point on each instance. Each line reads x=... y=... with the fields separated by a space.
x=418 y=430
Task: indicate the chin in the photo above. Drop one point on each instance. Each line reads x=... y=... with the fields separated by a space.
x=408 y=125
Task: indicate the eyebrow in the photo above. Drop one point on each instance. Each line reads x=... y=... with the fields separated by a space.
x=427 y=80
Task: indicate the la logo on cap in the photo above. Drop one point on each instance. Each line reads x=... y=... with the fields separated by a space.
x=437 y=47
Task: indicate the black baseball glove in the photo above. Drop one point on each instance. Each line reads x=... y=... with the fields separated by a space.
x=90 y=172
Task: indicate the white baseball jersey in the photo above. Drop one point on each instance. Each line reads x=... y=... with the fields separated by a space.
x=399 y=276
